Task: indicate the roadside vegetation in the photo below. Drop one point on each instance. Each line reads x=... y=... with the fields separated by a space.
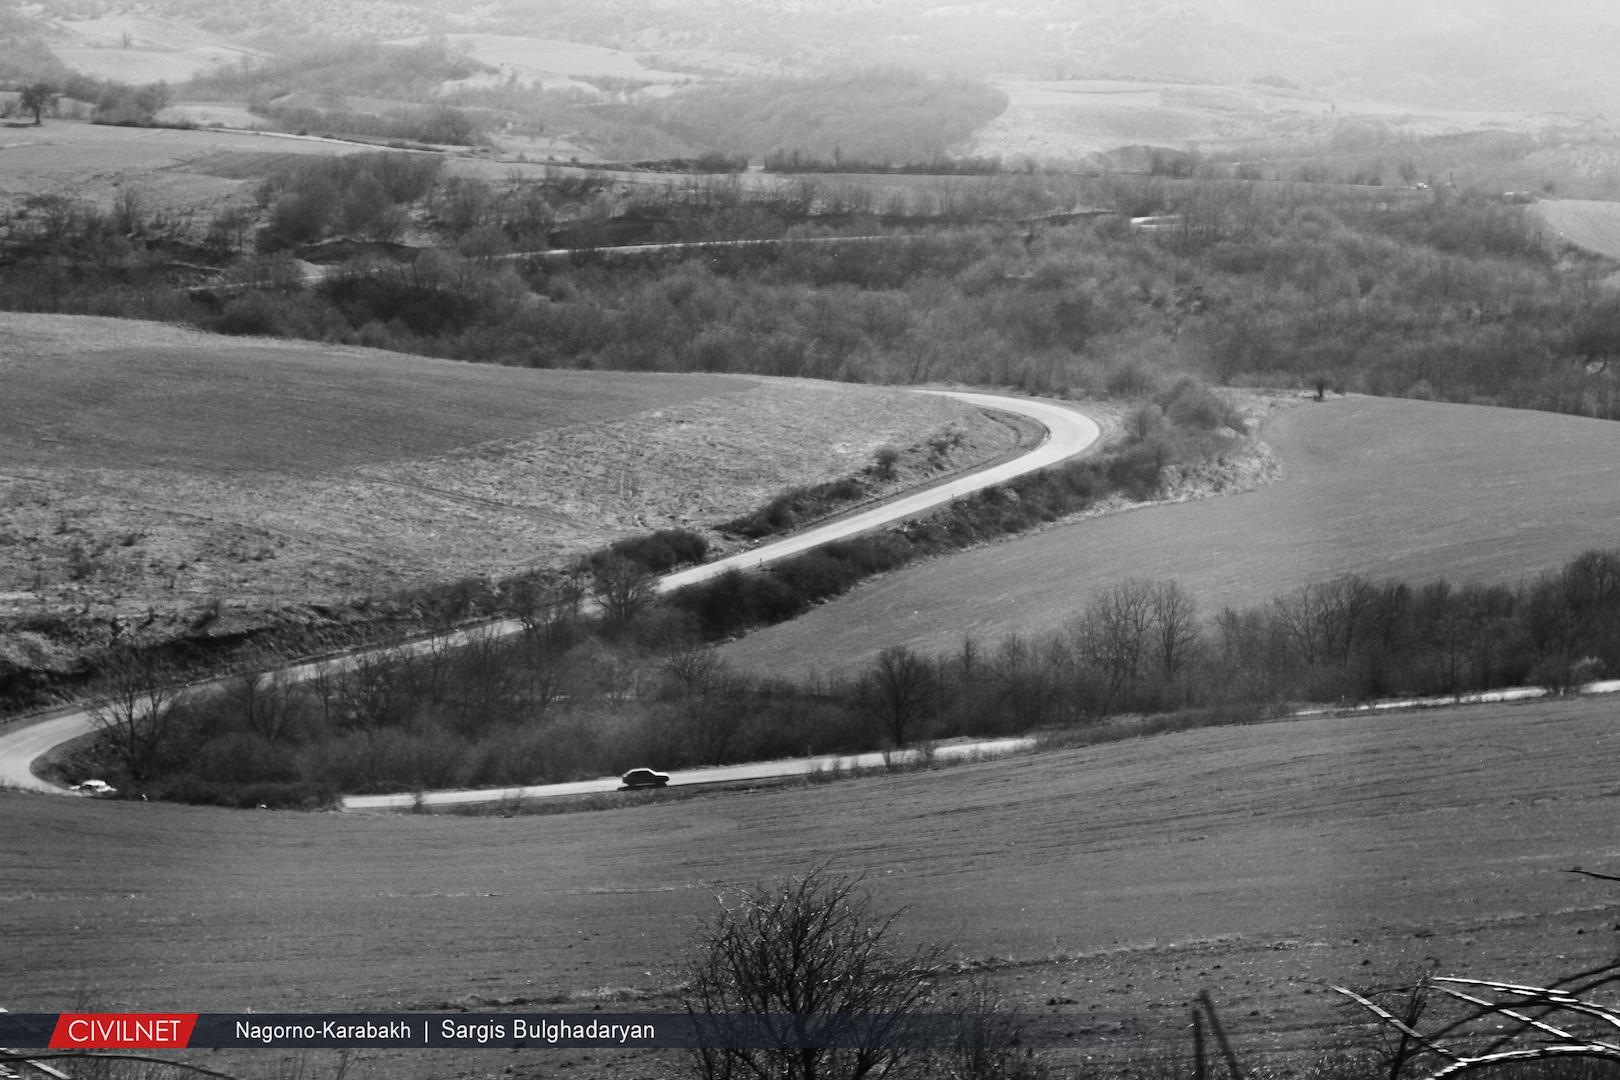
x=605 y=674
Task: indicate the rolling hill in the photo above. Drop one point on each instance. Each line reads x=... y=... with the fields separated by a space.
x=1384 y=487
x=153 y=474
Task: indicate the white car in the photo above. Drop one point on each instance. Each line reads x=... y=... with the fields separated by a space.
x=644 y=778
x=95 y=787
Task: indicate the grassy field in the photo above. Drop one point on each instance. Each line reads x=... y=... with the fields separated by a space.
x=555 y=64
x=137 y=48
x=151 y=470
x=93 y=161
x=1107 y=885
x=1071 y=118
x=1383 y=487
x=1586 y=223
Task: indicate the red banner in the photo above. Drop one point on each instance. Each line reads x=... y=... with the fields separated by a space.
x=123 y=1031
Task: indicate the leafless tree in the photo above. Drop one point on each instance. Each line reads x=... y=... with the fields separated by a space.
x=623 y=588
x=897 y=691
x=706 y=702
x=135 y=711
x=1113 y=637
x=484 y=676
x=1175 y=627
x=804 y=962
x=368 y=693
x=267 y=702
x=549 y=612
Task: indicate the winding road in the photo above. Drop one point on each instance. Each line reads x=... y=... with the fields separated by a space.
x=1068 y=433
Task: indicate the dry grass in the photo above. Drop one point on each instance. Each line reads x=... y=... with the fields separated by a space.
x=1383 y=487
x=1075 y=117
x=93 y=161
x=1106 y=885
x=137 y=48
x=1585 y=223
x=151 y=470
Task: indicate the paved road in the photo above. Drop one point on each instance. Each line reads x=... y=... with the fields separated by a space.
x=722 y=774
x=1068 y=433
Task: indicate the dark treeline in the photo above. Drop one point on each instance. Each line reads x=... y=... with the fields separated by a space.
x=575 y=695
x=1433 y=295
x=886 y=115
x=880 y=115
x=1143 y=647
x=358 y=195
x=796 y=161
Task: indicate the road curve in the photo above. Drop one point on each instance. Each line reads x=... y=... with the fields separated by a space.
x=1068 y=433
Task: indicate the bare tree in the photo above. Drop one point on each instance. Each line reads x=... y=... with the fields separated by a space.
x=135 y=711
x=542 y=676
x=549 y=613
x=897 y=691
x=266 y=702
x=707 y=704
x=1175 y=627
x=1027 y=680
x=623 y=588
x=485 y=676
x=807 y=969
x=694 y=671
x=369 y=692
x=1114 y=638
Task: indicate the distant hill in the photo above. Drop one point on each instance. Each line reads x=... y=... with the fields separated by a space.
x=1445 y=53
x=1481 y=54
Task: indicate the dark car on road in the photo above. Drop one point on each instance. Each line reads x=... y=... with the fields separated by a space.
x=639 y=778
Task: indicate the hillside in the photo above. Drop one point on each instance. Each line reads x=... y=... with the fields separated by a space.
x=1383 y=487
x=1588 y=224
x=162 y=481
x=1106 y=885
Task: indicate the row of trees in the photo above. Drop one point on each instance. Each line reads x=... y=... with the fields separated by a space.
x=1142 y=646
x=574 y=695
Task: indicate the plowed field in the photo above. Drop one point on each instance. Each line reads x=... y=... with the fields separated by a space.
x=1106 y=886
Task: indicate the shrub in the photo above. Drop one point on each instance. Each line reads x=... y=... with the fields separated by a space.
x=1191 y=404
x=663 y=550
x=802 y=958
x=253 y=314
